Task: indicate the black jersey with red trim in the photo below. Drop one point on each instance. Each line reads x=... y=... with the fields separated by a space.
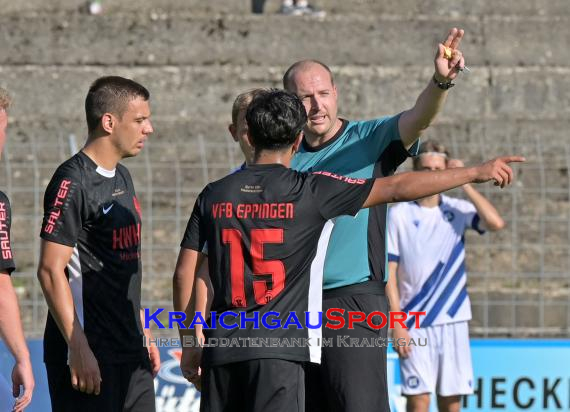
x=96 y=212
x=266 y=231
x=6 y=255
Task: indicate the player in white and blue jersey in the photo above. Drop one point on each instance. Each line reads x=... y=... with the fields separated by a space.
x=426 y=253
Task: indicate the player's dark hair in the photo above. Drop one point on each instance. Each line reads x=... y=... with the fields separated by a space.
x=111 y=94
x=274 y=119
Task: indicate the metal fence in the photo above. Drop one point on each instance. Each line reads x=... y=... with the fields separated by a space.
x=518 y=278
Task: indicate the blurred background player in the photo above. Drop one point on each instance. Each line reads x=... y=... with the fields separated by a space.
x=90 y=264
x=354 y=272
x=10 y=324
x=426 y=252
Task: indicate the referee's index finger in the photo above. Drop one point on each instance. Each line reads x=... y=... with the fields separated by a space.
x=511 y=159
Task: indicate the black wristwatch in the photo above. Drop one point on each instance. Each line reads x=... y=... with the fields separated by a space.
x=443 y=85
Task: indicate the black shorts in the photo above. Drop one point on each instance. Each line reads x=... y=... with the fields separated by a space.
x=124 y=387
x=258 y=385
x=350 y=379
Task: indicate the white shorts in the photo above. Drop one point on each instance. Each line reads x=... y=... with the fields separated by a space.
x=442 y=366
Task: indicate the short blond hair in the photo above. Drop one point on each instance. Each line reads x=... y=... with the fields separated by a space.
x=243 y=100
x=5 y=99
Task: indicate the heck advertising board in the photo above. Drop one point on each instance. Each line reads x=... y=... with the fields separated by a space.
x=510 y=375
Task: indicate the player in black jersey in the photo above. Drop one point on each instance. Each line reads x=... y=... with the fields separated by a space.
x=11 y=330
x=238 y=131
x=90 y=265
x=265 y=231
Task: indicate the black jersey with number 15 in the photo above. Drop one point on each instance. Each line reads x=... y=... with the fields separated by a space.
x=265 y=232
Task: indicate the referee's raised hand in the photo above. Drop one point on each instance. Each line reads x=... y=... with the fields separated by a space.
x=449 y=60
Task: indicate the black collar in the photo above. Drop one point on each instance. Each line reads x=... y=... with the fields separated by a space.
x=333 y=139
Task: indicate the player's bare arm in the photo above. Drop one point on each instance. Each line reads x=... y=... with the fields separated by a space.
x=187 y=283
x=490 y=216
x=85 y=373
x=399 y=332
x=204 y=294
x=416 y=185
x=449 y=61
x=153 y=352
x=183 y=283
x=12 y=334
x=201 y=301
x=192 y=290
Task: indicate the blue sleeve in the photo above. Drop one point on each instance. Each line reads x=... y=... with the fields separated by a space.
x=475 y=224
